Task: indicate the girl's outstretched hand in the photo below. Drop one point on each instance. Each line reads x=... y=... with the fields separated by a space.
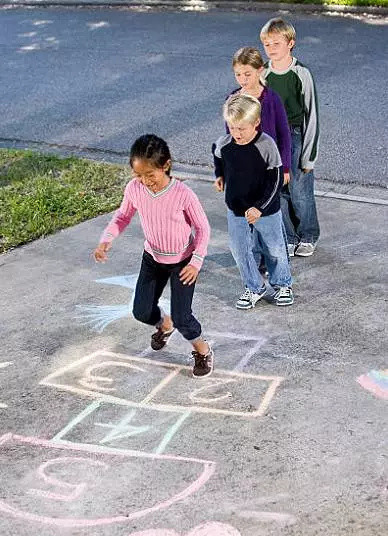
x=100 y=253
x=188 y=275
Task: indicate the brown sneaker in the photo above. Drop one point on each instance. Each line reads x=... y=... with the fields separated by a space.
x=203 y=365
x=160 y=338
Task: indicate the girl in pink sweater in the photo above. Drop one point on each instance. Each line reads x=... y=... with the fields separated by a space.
x=176 y=237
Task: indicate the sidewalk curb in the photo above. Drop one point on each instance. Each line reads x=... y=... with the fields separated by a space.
x=201 y=5
x=327 y=193
x=364 y=193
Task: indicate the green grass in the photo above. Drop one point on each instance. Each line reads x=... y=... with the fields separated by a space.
x=40 y=194
x=377 y=3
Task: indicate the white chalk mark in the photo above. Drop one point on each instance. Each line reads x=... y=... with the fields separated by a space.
x=269 y=517
x=234 y=336
x=123 y=429
x=89 y=381
x=87 y=411
x=213 y=384
x=245 y=360
x=5 y=364
x=160 y=386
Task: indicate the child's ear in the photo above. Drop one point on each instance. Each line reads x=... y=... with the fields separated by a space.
x=291 y=44
x=167 y=165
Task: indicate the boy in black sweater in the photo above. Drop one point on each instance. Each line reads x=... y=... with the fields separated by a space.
x=248 y=167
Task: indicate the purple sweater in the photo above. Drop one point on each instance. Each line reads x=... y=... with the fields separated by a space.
x=274 y=123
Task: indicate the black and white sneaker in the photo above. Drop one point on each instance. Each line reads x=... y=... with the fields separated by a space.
x=248 y=299
x=160 y=338
x=283 y=296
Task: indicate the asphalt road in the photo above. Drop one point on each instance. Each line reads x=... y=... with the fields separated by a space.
x=99 y=78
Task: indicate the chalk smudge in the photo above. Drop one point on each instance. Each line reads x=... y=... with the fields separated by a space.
x=376 y=381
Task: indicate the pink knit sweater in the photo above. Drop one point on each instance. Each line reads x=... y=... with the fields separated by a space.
x=173 y=221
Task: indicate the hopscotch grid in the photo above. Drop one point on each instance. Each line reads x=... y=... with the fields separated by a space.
x=170 y=407
x=161 y=364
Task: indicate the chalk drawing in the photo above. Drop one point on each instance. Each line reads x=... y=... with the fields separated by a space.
x=376 y=381
x=91 y=382
x=212 y=384
x=124 y=467
x=167 y=383
x=75 y=489
x=206 y=529
x=4 y=364
x=98 y=317
x=281 y=519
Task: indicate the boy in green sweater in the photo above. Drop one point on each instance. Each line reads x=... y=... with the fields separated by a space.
x=295 y=85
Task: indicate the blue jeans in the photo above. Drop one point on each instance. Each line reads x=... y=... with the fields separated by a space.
x=297 y=198
x=153 y=277
x=268 y=234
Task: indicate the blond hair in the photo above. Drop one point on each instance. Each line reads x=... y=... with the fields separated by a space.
x=242 y=108
x=249 y=56
x=279 y=26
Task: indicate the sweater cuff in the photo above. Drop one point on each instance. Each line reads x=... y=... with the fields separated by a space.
x=107 y=237
x=196 y=261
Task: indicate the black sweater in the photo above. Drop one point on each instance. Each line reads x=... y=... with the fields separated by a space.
x=253 y=173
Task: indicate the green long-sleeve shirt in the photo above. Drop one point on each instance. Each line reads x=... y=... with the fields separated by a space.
x=297 y=90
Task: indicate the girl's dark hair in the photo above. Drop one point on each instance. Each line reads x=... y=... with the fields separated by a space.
x=150 y=147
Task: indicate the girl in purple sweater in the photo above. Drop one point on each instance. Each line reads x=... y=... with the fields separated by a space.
x=176 y=237
x=248 y=67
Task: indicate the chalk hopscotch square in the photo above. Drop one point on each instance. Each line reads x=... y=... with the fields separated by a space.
x=224 y=392
x=66 y=485
x=140 y=382
x=141 y=429
x=109 y=376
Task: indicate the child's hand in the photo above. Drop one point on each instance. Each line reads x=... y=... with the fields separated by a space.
x=286 y=178
x=306 y=170
x=188 y=275
x=100 y=253
x=252 y=215
x=219 y=184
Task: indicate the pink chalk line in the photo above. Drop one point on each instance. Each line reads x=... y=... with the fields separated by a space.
x=206 y=529
x=208 y=470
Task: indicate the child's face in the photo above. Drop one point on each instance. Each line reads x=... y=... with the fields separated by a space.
x=247 y=76
x=243 y=132
x=277 y=47
x=152 y=177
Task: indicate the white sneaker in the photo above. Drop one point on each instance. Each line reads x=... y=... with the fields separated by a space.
x=248 y=299
x=291 y=250
x=284 y=296
x=305 y=249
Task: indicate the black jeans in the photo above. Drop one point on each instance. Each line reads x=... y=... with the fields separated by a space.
x=152 y=280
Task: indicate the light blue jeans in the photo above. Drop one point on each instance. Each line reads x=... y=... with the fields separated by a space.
x=297 y=199
x=268 y=235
